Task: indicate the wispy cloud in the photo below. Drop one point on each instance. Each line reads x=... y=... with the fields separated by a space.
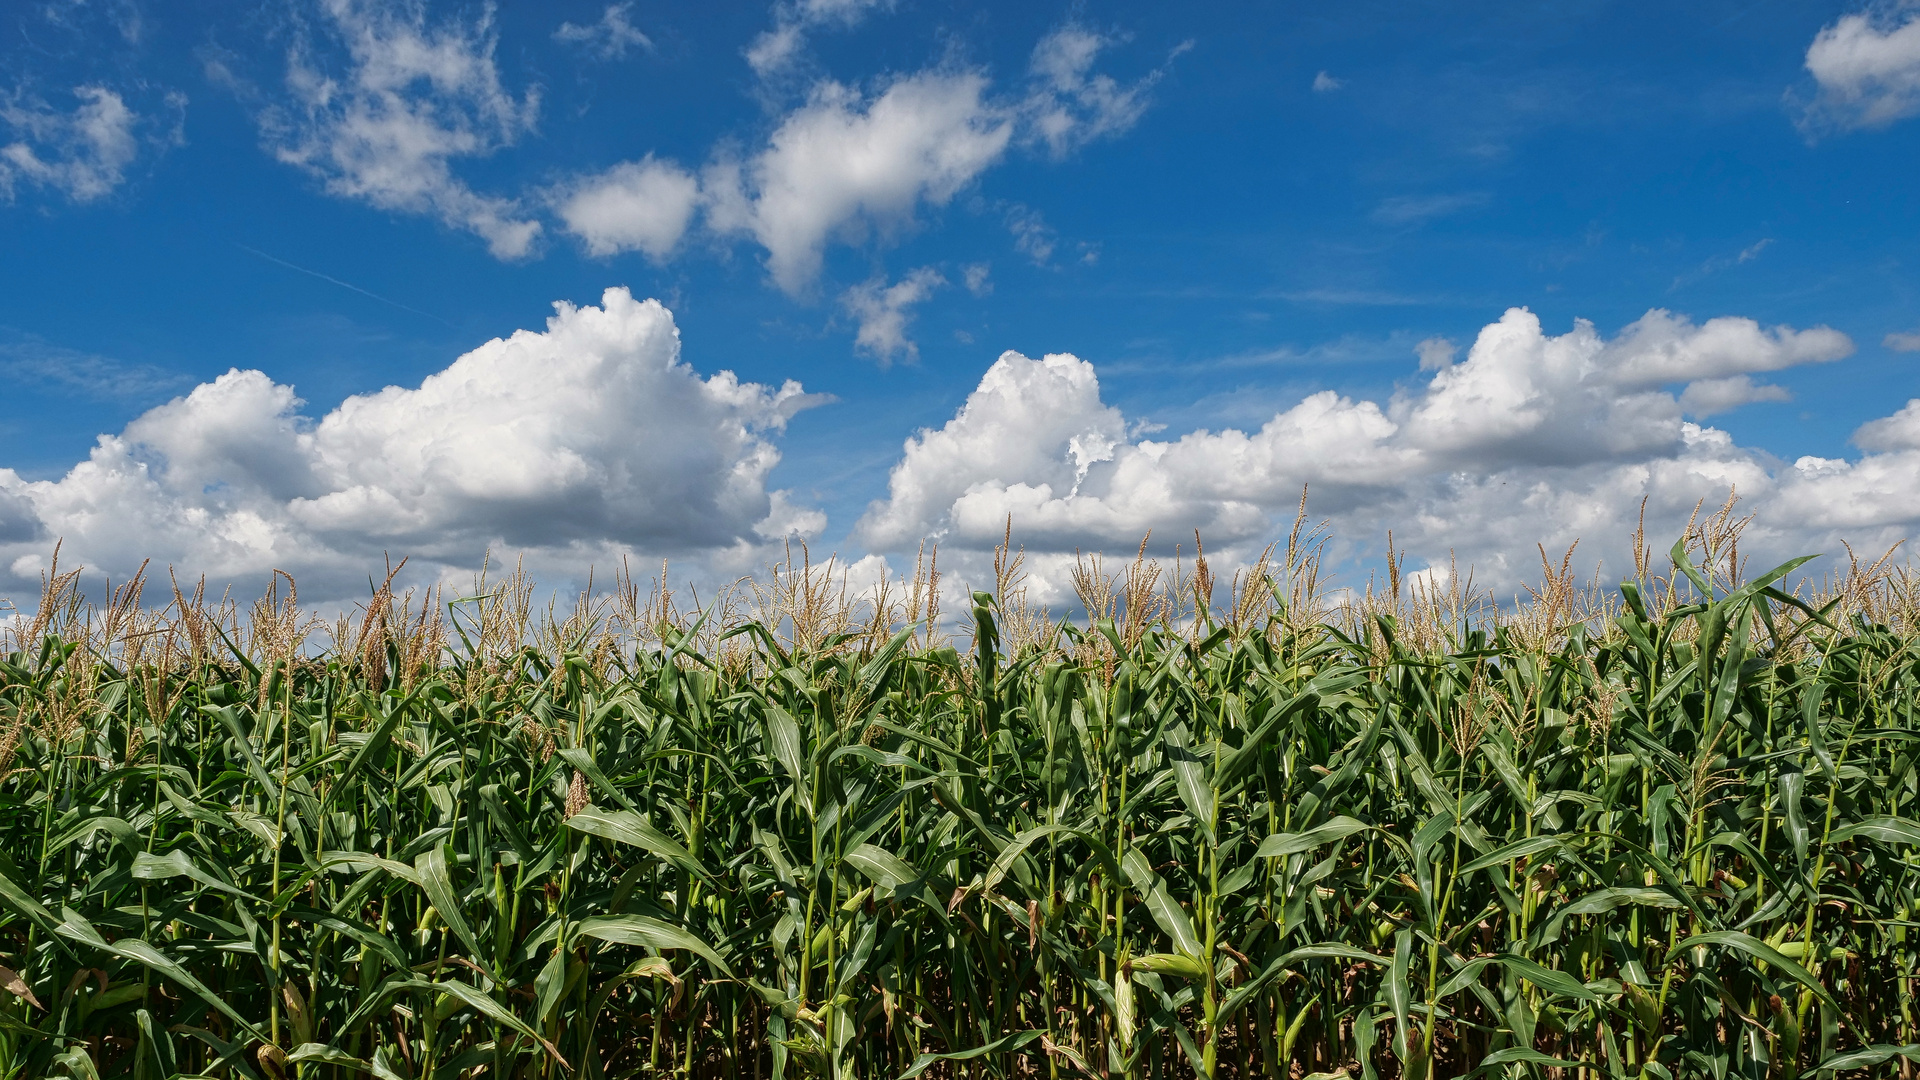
x=382 y=101
x=779 y=49
x=1361 y=298
x=1347 y=350
x=82 y=152
x=1718 y=263
x=28 y=358
x=1413 y=209
x=608 y=39
x=1324 y=83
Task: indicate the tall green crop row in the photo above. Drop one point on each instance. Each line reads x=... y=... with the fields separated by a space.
x=1682 y=845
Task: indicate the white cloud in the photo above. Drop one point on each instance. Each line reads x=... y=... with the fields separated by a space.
x=1901 y=431
x=857 y=165
x=1531 y=438
x=415 y=96
x=1664 y=348
x=590 y=439
x=774 y=50
x=846 y=165
x=1709 y=396
x=883 y=312
x=643 y=205
x=1324 y=83
x=1071 y=105
x=608 y=39
x=978 y=278
x=1032 y=236
x=1867 y=69
x=82 y=153
x=1035 y=423
x=1436 y=353
x=846 y=12
x=1900 y=342
x=74 y=117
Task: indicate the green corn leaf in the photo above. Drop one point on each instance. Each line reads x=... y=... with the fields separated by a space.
x=1553 y=982
x=1005 y=1044
x=1759 y=950
x=1519 y=849
x=1280 y=845
x=1190 y=780
x=328 y=1055
x=882 y=866
x=1884 y=828
x=1866 y=1057
x=431 y=865
x=486 y=1006
x=650 y=933
x=176 y=864
x=1601 y=900
x=1170 y=916
x=74 y=927
x=627 y=827
x=783 y=739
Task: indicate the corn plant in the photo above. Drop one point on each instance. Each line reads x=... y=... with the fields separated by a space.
x=1678 y=842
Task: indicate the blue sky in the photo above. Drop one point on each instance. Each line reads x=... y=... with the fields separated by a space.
x=1223 y=209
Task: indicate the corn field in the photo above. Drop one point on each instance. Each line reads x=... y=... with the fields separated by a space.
x=1664 y=831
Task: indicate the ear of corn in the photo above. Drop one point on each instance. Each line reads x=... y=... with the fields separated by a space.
x=1678 y=844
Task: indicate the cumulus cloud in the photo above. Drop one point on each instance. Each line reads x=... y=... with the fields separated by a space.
x=850 y=165
x=643 y=205
x=1663 y=348
x=883 y=312
x=1708 y=396
x=1031 y=424
x=82 y=152
x=847 y=164
x=413 y=96
x=1866 y=67
x=588 y=439
x=855 y=165
x=608 y=39
x=1901 y=431
x=1532 y=437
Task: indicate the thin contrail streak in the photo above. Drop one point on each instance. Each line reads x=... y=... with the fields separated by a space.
x=342 y=284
